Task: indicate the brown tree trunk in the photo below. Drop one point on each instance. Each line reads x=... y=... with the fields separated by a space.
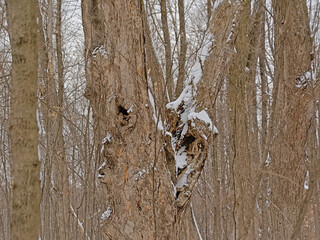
x=25 y=220
x=140 y=199
x=126 y=91
x=167 y=47
x=183 y=49
x=292 y=63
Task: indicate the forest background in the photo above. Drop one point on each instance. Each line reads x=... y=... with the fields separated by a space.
x=159 y=119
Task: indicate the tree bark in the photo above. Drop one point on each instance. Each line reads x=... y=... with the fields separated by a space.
x=126 y=90
x=183 y=49
x=294 y=113
x=136 y=183
x=25 y=220
x=167 y=47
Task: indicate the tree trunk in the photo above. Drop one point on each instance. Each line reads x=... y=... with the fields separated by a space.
x=25 y=220
x=139 y=192
x=62 y=165
x=289 y=153
x=148 y=195
x=167 y=47
x=183 y=49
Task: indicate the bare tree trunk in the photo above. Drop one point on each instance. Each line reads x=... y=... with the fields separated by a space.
x=316 y=209
x=126 y=90
x=62 y=166
x=183 y=49
x=292 y=62
x=25 y=220
x=167 y=47
x=117 y=89
x=242 y=116
x=225 y=31
x=189 y=228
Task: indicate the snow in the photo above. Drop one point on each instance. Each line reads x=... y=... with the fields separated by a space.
x=40 y=130
x=202 y=116
x=268 y=160
x=100 y=49
x=107 y=139
x=130 y=109
x=216 y=4
x=79 y=222
x=203 y=53
x=111 y=97
x=232 y=29
x=186 y=96
x=303 y=79
x=188 y=115
x=183 y=180
x=306 y=181
x=215 y=130
x=106 y=214
x=229 y=39
x=100 y=168
x=102 y=165
x=181 y=158
x=141 y=173
x=156 y=116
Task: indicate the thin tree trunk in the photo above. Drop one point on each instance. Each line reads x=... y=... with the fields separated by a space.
x=63 y=181
x=238 y=92
x=183 y=49
x=167 y=47
x=46 y=202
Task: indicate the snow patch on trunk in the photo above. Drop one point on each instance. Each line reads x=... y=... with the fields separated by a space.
x=107 y=139
x=181 y=158
x=100 y=50
x=306 y=181
x=106 y=214
x=183 y=180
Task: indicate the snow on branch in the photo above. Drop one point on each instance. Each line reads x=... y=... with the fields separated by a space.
x=187 y=142
x=80 y=224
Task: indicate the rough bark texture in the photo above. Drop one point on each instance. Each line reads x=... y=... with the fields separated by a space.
x=242 y=112
x=288 y=153
x=123 y=77
x=140 y=197
x=25 y=220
